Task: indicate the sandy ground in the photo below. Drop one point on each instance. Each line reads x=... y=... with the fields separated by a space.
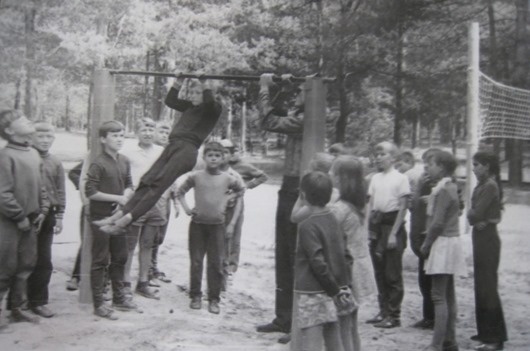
x=169 y=324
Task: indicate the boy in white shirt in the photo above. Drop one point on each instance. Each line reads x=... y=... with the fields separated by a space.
x=389 y=191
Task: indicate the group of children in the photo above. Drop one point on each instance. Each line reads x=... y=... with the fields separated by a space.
x=331 y=281
x=129 y=203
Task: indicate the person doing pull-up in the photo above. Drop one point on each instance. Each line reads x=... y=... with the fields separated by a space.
x=200 y=113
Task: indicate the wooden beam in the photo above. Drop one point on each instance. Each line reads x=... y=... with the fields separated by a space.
x=314 y=121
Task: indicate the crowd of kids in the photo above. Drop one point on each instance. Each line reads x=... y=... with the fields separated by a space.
x=342 y=240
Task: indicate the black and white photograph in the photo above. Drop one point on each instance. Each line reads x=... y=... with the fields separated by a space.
x=302 y=175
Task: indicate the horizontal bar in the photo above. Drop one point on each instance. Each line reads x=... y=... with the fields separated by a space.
x=275 y=78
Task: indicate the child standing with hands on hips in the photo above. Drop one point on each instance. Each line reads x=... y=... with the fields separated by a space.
x=443 y=248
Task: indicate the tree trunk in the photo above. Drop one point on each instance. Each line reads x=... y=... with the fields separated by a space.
x=519 y=79
x=399 y=86
x=67 y=112
x=16 y=105
x=414 y=138
x=158 y=87
x=29 y=34
x=146 y=83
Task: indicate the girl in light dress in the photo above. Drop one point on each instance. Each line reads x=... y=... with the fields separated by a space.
x=442 y=249
x=348 y=179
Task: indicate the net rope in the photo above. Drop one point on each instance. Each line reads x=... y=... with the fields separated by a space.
x=504 y=110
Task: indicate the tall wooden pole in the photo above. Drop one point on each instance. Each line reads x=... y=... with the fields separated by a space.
x=102 y=110
x=473 y=109
x=314 y=120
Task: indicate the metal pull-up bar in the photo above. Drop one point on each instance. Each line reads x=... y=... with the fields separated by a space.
x=275 y=78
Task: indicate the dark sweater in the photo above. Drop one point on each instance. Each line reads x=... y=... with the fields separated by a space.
x=196 y=122
x=485 y=203
x=107 y=175
x=321 y=256
x=53 y=179
x=21 y=189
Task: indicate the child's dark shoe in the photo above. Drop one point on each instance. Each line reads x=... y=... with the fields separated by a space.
x=72 y=284
x=196 y=303
x=125 y=305
x=424 y=324
x=144 y=290
x=17 y=315
x=376 y=319
x=105 y=312
x=213 y=307
x=388 y=323
x=43 y=311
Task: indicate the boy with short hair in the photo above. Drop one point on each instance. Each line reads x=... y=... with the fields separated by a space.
x=108 y=186
x=213 y=189
x=23 y=207
x=389 y=191
x=144 y=231
x=233 y=214
x=253 y=177
x=200 y=114
x=162 y=131
x=53 y=179
x=405 y=163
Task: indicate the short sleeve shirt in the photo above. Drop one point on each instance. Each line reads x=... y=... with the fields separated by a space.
x=386 y=189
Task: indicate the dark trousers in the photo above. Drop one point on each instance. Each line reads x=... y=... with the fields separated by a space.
x=107 y=248
x=76 y=273
x=388 y=267
x=177 y=158
x=39 y=279
x=18 y=253
x=159 y=240
x=425 y=284
x=285 y=252
x=206 y=239
x=488 y=308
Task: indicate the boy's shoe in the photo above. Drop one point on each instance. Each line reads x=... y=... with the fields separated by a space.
x=271 y=328
x=213 y=307
x=498 y=346
x=17 y=315
x=475 y=338
x=388 y=323
x=142 y=288
x=72 y=284
x=376 y=319
x=196 y=303
x=424 y=324
x=105 y=312
x=125 y=305
x=43 y=311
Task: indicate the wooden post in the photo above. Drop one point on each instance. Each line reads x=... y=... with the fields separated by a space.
x=473 y=110
x=102 y=110
x=314 y=120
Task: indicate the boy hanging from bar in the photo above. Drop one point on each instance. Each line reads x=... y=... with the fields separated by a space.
x=200 y=113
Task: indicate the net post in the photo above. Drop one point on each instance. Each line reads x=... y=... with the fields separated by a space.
x=102 y=110
x=314 y=120
x=473 y=110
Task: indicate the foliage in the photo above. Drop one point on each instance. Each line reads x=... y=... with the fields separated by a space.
x=357 y=41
